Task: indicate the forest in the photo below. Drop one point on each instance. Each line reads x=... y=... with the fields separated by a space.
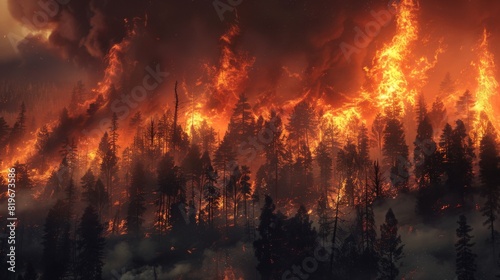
x=297 y=202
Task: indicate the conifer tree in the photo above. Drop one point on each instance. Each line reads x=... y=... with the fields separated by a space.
x=466 y=260
x=91 y=245
x=137 y=205
x=56 y=242
x=391 y=250
x=489 y=168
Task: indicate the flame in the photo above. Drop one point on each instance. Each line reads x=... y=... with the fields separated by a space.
x=231 y=73
x=487 y=87
x=395 y=79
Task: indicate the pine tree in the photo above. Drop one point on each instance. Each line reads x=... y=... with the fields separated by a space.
x=378 y=127
x=325 y=164
x=56 y=242
x=465 y=109
x=466 y=260
x=90 y=244
x=363 y=148
x=245 y=188
x=77 y=96
x=437 y=115
x=268 y=247
x=224 y=159
x=459 y=163
x=396 y=154
x=19 y=128
x=192 y=168
x=448 y=85
x=242 y=124
x=211 y=194
x=391 y=250
x=171 y=184
x=274 y=151
x=4 y=131
x=137 y=205
x=302 y=124
x=489 y=168
x=347 y=166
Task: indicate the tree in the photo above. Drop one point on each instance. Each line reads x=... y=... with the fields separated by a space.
x=241 y=124
x=274 y=151
x=191 y=165
x=91 y=245
x=466 y=260
x=302 y=124
x=171 y=188
x=211 y=193
x=78 y=96
x=4 y=131
x=19 y=128
x=378 y=127
x=447 y=86
x=437 y=115
x=391 y=250
x=268 y=247
x=396 y=154
x=224 y=159
x=369 y=256
x=109 y=161
x=325 y=164
x=458 y=163
x=489 y=168
x=377 y=180
x=136 y=206
x=245 y=188
x=465 y=109
x=421 y=108
x=363 y=148
x=56 y=242
x=348 y=167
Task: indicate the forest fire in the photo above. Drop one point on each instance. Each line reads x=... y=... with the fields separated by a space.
x=255 y=148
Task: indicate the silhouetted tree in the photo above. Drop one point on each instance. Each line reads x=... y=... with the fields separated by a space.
x=192 y=167
x=378 y=127
x=437 y=115
x=489 y=168
x=211 y=194
x=458 y=160
x=466 y=260
x=390 y=248
x=241 y=124
x=91 y=245
x=302 y=124
x=465 y=109
x=245 y=188
x=268 y=247
x=136 y=206
x=396 y=153
x=56 y=242
x=325 y=164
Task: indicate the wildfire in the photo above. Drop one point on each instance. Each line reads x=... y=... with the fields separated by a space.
x=232 y=71
x=486 y=88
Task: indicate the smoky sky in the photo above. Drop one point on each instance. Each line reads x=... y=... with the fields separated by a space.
x=285 y=37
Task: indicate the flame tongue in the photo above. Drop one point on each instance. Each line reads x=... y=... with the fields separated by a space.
x=487 y=87
x=388 y=72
